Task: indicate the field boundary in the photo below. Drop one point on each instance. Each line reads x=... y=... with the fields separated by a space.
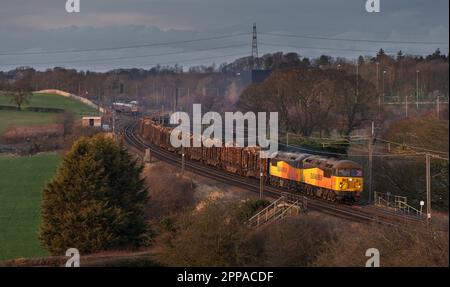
x=69 y=95
x=32 y=109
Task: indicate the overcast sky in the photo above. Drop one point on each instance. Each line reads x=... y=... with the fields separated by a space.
x=36 y=26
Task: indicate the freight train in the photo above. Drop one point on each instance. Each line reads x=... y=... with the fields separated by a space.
x=318 y=176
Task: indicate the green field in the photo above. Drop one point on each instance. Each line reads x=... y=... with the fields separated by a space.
x=24 y=118
x=53 y=101
x=22 y=178
x=27 y=118
x=21 y=183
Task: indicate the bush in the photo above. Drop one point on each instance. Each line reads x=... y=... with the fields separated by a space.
x=217 y=235
x=296 y=241
x=400 y=246
x=169 y=193
x=250 y=207
x=212 y=236
x=95 y=201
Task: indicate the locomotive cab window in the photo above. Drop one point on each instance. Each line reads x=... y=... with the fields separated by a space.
x=343 y=172
x=356 y=172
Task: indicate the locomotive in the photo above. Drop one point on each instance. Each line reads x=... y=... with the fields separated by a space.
x=328 y=178
x=126 y=108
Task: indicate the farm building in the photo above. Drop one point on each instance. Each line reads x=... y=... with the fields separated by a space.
x=92 y=122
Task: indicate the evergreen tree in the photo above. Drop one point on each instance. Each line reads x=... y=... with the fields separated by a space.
x=95 y=201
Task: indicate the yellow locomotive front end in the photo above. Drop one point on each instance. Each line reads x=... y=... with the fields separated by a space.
x=348 y=179
x=328 y=178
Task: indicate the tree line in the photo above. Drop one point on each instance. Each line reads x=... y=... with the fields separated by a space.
x=399 y=72
x=313 y=100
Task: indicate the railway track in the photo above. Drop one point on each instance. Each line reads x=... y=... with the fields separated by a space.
x=363 y=214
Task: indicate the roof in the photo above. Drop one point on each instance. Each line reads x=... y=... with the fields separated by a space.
x=92 y=118
x=318 y=161
x=347 y=164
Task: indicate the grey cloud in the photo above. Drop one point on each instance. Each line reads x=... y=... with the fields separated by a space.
x=43 y=25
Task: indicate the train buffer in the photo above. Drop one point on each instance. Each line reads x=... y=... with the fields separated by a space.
x=287 y=205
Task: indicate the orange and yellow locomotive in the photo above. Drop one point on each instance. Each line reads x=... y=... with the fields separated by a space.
x=325 y=177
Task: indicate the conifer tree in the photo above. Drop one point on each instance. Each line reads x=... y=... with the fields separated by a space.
x=95 y=201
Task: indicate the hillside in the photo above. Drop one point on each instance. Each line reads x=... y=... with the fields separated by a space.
x=10 y=118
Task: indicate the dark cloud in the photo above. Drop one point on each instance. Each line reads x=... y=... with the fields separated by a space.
x=43 y=25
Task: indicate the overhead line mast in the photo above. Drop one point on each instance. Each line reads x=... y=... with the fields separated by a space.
x=255 y=57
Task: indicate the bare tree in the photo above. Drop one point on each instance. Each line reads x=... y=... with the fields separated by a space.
x=312 y=100
x=356 y=101
x=20 y=91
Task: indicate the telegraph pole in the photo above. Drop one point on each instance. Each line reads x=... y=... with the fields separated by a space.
x=182 y=160
x=261 y=182
x=437 y=108
x=153 y=90
x=357 y=79
x=159 y=98
x=406 y=106
x=164 y=95
x=188 y=106
x=428 y=181
x=320 y=127
x=370 y=162
x=384 y=75
x=378 y=89
x=175 y=106
x=378 y=79
x=417 y=89
x=379 y=103
x=114 y=122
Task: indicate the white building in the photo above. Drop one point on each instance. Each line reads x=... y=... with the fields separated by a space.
x=92 y=122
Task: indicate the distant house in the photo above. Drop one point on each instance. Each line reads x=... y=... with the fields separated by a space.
x=92 y=122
